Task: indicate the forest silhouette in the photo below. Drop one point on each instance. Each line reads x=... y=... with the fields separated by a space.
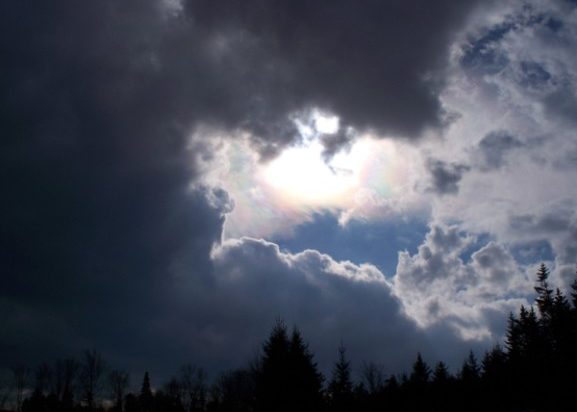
x=534 y=370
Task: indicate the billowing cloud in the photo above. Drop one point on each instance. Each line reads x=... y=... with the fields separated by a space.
x=440 y=284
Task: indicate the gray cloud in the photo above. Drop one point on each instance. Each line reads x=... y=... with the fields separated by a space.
x=445 y=177
x=98 y=101
x=326 y=299
x=377 y=66
x=493 y=149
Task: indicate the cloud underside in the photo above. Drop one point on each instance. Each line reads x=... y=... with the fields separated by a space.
x=112 y=236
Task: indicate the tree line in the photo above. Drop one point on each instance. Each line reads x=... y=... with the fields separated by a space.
x=535 y=370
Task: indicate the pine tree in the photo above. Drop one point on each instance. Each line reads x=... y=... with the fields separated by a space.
x=513 y=338
x=146 y=397
x=287 y=378
x=560 y=323
x=470 y=371
x=544 y=293
x=306 y=381
x=341 y=386
x=420 y=373
x=441 y=374
x=494 y=364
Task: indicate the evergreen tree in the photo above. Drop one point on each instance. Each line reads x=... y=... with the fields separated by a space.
x=441 y=374
x=560 y=323
x=373 y=377
x=495 y=380
x=306 y=381
x=417 y=388
x=513 y=338
x=470 y=371
x=287 y=378
x=146 y=398
x=544 y=293
x=420 y=373
x=494 y=364
x=341 y=386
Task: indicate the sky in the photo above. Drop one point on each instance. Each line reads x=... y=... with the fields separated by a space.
x=177 y=175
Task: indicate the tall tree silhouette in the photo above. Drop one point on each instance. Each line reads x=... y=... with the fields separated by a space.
x=306 y=381
x=119 y=382
x=66 y=380
x=38 y=400
x=146 y=398
x=272 y=381
x=341 y=386
x=420 y=373
x=287 y=378
x=233 y=392
x=193 y=381
x=441 y=373
x=544 y=293
x=91 y=374
x=20 y=379
x=470 y=371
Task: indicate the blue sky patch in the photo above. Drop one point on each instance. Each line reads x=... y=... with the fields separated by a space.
x=373 y=242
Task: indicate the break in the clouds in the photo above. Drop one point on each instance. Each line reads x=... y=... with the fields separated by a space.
x=148 y=147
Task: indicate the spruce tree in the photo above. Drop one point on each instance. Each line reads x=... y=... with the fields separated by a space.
x=341 y=386
x=287 y=378
x=544 y=293
x=470 y=371
x=306 y=381
x=146 y=397
x=420 y=373
x=441 y=374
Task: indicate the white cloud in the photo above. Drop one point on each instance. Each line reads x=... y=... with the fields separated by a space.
x=438 y=285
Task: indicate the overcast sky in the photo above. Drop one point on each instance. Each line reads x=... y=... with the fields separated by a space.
x=176 y=175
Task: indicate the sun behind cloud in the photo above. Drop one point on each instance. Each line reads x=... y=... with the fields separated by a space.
x=369 y=179
x=300 y=175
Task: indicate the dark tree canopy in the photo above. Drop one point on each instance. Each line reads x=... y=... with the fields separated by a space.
x=535 y=370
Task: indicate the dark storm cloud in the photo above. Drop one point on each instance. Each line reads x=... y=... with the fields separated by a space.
x=95 y=175
x=99 y=224
x=445 y=177
x=377 y=65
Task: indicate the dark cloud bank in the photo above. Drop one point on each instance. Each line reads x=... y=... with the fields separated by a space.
x=104 y=244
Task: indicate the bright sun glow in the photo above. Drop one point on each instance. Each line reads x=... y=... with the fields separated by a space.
x=301 y=175
x=372 y=177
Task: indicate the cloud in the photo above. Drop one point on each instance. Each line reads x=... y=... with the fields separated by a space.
x=329 y=300
x=355 y=61
x=439 y=285
x=517 y=146
x=494 y=147
x=445 y=177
